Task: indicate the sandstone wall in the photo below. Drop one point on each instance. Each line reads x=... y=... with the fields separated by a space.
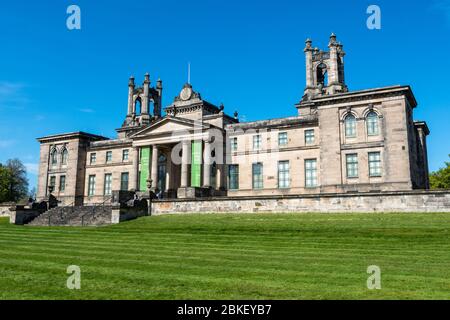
x=410 y=201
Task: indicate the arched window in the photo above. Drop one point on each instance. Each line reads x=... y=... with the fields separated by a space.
x=54 y=157
x=64 y=157
x=322 y=74
x=350 y=126
x=137 y=106
x=372 y=124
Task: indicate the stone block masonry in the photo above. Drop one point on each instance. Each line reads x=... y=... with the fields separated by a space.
x=406 y=201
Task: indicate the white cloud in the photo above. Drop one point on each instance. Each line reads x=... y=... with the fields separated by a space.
x=32 y=168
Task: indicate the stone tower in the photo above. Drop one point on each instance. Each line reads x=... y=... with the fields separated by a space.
x=140 y=100
x=324 y=70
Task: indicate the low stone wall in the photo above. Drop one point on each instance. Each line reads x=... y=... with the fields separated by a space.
x=21 y=216
x=409 y=201
x=4 y=209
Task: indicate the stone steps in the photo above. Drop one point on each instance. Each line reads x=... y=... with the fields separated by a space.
x=75 y=216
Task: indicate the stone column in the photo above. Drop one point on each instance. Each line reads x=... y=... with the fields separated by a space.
x=185 y=163
x=130 y=97
x=207 y=165
x=134 y=177
x=154 y=165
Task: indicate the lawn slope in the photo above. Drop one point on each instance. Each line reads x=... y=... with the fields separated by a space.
x=222 y=256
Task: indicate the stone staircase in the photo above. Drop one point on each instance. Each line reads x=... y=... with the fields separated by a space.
x=75 y=216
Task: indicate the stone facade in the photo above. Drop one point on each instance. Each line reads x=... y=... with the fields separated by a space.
x=403 y=201
x=339 y=141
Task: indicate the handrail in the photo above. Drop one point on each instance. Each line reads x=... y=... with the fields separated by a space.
x=51 y=214
x=102 y=205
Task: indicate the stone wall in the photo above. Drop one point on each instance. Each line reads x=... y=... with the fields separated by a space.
x=409 y=201
x=4 y=209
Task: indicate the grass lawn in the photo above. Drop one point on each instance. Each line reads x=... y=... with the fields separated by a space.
x=224 y=256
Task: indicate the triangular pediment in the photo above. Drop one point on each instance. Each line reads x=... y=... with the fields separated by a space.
x=169 y=125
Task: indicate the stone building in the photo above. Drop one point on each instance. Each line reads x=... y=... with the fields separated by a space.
x=339 y=141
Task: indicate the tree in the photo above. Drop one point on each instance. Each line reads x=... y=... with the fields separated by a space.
x=13 y=181
x=5 y=177
x=441 y=179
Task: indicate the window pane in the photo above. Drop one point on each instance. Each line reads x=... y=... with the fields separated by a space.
x=258 y=180
x=257 y=142
x=65 y=156
x=233 y=177
x=108 y=184
x=372 y=124
x=93 y=158
x=375 y=164
x=352 y=165
x=282 y=139
x=54 y=157
x=311 y=173
x=124 y=181
x=62 y=183
x=234 y=144
x=309 y=136
x=109 y=156
x=283 y=174
x=125 y=155
x=91 y=186
x=350 y=126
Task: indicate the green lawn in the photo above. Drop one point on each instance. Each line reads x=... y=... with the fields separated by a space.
x=223 y=256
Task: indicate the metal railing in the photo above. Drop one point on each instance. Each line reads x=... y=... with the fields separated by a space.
x=95 y=207
x=62 y=218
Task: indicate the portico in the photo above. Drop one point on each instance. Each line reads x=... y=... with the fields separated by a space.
x=177 y=154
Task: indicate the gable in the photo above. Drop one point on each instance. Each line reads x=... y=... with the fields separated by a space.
x=167 y=126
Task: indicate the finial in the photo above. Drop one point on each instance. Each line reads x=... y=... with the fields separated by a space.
x=308 y=43
x=221 y=107
x=131 y=82
x=236 y=114
x=147 y=78
x=333 y=38
x=159 y=83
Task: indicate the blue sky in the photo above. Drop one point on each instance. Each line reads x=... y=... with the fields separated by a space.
x=245 y=54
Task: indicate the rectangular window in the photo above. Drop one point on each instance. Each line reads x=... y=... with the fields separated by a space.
x=282 y=139
x=93 y=159
x=257 y=142
x=62 y=183
x=124 y=178
x=257 y=173
x=108 y=184
x=352 y=165
x=309 y=136
x=234 y=144
x=374 y=164
x=233 y=177
x=283 y=174
x=125 y=155
x=53 y=182
x=91 y=186
x=108 y=156
x=311 y=173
